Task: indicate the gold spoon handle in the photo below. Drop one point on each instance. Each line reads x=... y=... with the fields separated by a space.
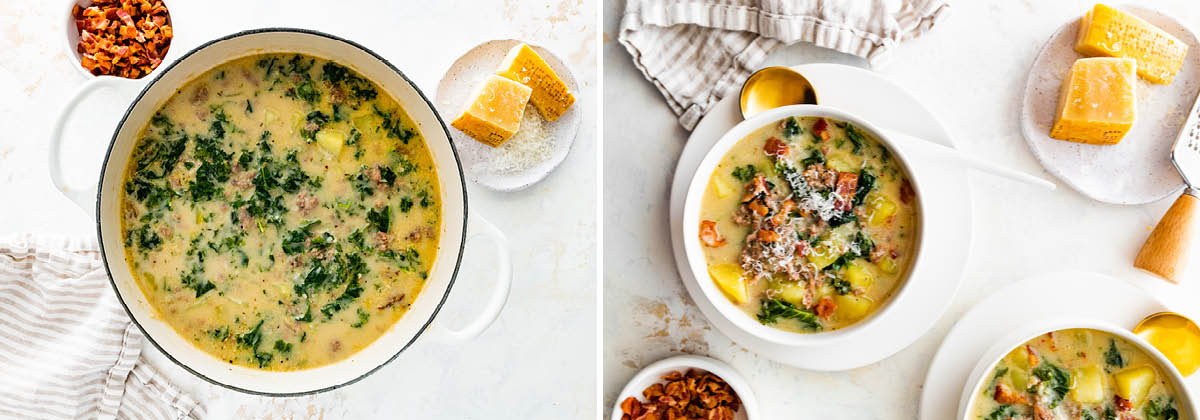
x=1166 y=250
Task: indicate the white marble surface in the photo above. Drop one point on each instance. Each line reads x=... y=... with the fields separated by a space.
x=510 y=371
x=970 y=71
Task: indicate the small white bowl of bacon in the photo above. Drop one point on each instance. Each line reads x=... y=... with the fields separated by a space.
x=686 y=386
x=122 y=38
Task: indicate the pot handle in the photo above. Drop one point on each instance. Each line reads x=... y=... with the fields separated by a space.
x=83 y=196
x=478 y=226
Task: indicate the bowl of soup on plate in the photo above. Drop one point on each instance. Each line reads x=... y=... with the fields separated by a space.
x=1075 y=370
x=803 y=223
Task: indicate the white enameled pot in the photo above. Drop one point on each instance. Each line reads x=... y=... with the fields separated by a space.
x=695 y=255
x=1021 y=335
x=457 y=226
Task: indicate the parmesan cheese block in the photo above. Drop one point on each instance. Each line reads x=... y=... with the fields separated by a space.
x=495 y=113
x=550 y=93
x=1108 y=32
x=1098 y=103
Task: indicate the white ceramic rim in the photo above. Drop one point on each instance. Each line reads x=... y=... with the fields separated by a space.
x=71 y=41
x=652 y=374
x=1023 y=334
x=400 y=335
x=695 y=255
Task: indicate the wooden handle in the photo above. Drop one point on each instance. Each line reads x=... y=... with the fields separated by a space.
x=1166 y=250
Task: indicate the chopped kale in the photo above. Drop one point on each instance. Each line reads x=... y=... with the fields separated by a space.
x=352 y=292
x=424 y=199
x=745 y=173
x=1002 y=412
x=283 y=346
x=1158 y=409
x=791 y=128
x=145 y=238
x=773 y=309
x=866 y=182
x=857 y=138
x=392 y=125
x=363 y=316
x=1113 y=357
x=251 y=338
x=380 y=218
x=1055 y=383
x=313 y=122
x=406 y=204
x=842 y=287
x=814 y=157
x=407 y=259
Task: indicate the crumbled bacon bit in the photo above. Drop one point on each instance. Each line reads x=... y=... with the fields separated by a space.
x=776 y=147
x=847 y=183
x=697 y=395
x=709 y=235
x=126 y=38
x=1006 y=395
x=826 y=307
x=768 y=236
x=1121 y=403
x=756 y=187
x=821 y=129
x=1033 y=358
x=906 y=192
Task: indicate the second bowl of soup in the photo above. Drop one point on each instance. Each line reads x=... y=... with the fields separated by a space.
x=802 y=224
x=1075 y=369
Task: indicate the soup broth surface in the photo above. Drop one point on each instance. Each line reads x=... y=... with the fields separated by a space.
x=280 y=212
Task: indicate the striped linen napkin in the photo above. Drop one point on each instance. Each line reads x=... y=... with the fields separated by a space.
x=67 y=348
x=697 y=51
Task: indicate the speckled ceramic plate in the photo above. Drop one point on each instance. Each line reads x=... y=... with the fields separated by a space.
x=947 y=201
x=1137 y=170
x=1093 y=296
x=455 y=89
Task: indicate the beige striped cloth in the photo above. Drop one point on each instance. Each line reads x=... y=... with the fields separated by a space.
x=697 y=51
x=67 y=348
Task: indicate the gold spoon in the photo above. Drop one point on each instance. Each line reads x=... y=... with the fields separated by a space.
x=773 y=87
x=1176 y=336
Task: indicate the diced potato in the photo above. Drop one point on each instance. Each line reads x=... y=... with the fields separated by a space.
x=851 y=307
x=722 y=188
x=1019 y=378
x=792 y=293
x=1019 y=358
x=331 y=141
x=823 y=255
x=840 y=164
x=1134 y=384
x=1089 y=385
x=858 y=275
x=730 y=280
x=882 y=209
x=270 y=115
x=887 y=265
x=366 y=123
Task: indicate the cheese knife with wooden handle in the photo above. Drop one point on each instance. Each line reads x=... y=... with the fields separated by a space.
x=1166 y=250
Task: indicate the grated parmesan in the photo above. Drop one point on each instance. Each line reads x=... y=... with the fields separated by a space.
x=529 y=146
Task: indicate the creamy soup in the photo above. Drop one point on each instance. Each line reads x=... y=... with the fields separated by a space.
x=808 y=224
x=1076 y=374
x=280 y=212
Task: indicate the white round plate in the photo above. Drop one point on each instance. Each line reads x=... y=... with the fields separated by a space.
x=1086 y=295
x=455 y=89
x=1137 y=170
x=948 y=207
x=654 y=373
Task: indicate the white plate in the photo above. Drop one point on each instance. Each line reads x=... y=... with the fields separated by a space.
x=1137 y=170
x=890 y=107
x=460 y=82
x=653 y=373
x=1091 y=295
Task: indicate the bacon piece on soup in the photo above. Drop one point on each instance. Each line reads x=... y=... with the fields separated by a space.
x=776 y=147
x=821 y=129
x=709 y=235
